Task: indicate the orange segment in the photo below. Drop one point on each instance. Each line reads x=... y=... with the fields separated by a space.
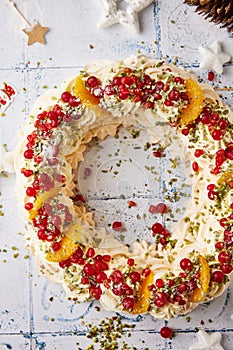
x=204 y=274
x=41 y=199
x=81 y=92
x=69 y=244
x=143 y=302
x=197 y=295
x=226 y=178
x=196 y=101
x=204 y=280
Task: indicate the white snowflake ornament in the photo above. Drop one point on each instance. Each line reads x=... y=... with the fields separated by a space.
x=212 y=57
x=207 y=341
x=127 y=18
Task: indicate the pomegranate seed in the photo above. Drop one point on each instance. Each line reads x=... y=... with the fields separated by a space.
x=198 y=153
x=56 y=220
x=64 y=264
x=92 y=81
x=65 y=96
x=28 y=206
x=224 y=257
x=223 y=222
x=171 y=283
x=146 y=79
x=31 y=192
x=56 y=246
x=152 y=209
x=157 y=154
x=166 y=332
x=146 y=272
x=211 y=76
x=185 y=131
x=123 y=94
x=148 y=105
x=174 y=95
x=223 y=124
x=157 y=228
x=214 y=119
x=159 y=283
x=117 y=276
x=116 y=81
x=163 y=241
x=29 y=154
x=41 y=234
x=100 y=277
x=229 y=152
x=218 y=276
x=132 y=204
x=161 y=208
x=128 y=303
x=226 y=268
x=195 y=166
x=96 y=292
x=27 y=172
x=137 y=92
x=217 y=134
x=84 y=280
x=219 y=245
x=117 y=226
x=109 y=90
x=212 y=195
x=220 y=158
x=168 y=103
x=60 y=178
x=74 y=102
x=165 y=233
x=130 y=262
x=160 y=300
x=106 y=257
x=211 y=187
x=159 y=86
x=90 y=252
x=186 y=264
x=184 y=96
x=77 y=255
x=53 y=161
x=135 y=276
x=179 y=80
x=205 y=118
x=88 y=269
x=137 y=99
x=126 y=80
x=98 y=92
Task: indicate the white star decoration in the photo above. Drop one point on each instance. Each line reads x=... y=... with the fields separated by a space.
x=207 y=341
x=127 y=18
x=212 y=57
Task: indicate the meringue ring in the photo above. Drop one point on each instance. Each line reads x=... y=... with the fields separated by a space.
x=179 y=268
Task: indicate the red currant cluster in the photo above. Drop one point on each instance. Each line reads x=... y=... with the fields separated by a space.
x=94 y=269
x=142 y=89
x=217 y=125
x=162 y=235
x=221 y=156
x=177 y=290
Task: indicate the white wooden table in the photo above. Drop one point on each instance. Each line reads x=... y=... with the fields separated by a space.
x=34 y=313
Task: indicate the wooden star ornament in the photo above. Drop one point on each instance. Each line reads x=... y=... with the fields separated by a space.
x=36 y=34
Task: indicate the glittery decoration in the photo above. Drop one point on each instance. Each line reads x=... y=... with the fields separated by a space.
x=127 y=18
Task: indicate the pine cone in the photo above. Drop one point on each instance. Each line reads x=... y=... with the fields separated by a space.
x=220 y=12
